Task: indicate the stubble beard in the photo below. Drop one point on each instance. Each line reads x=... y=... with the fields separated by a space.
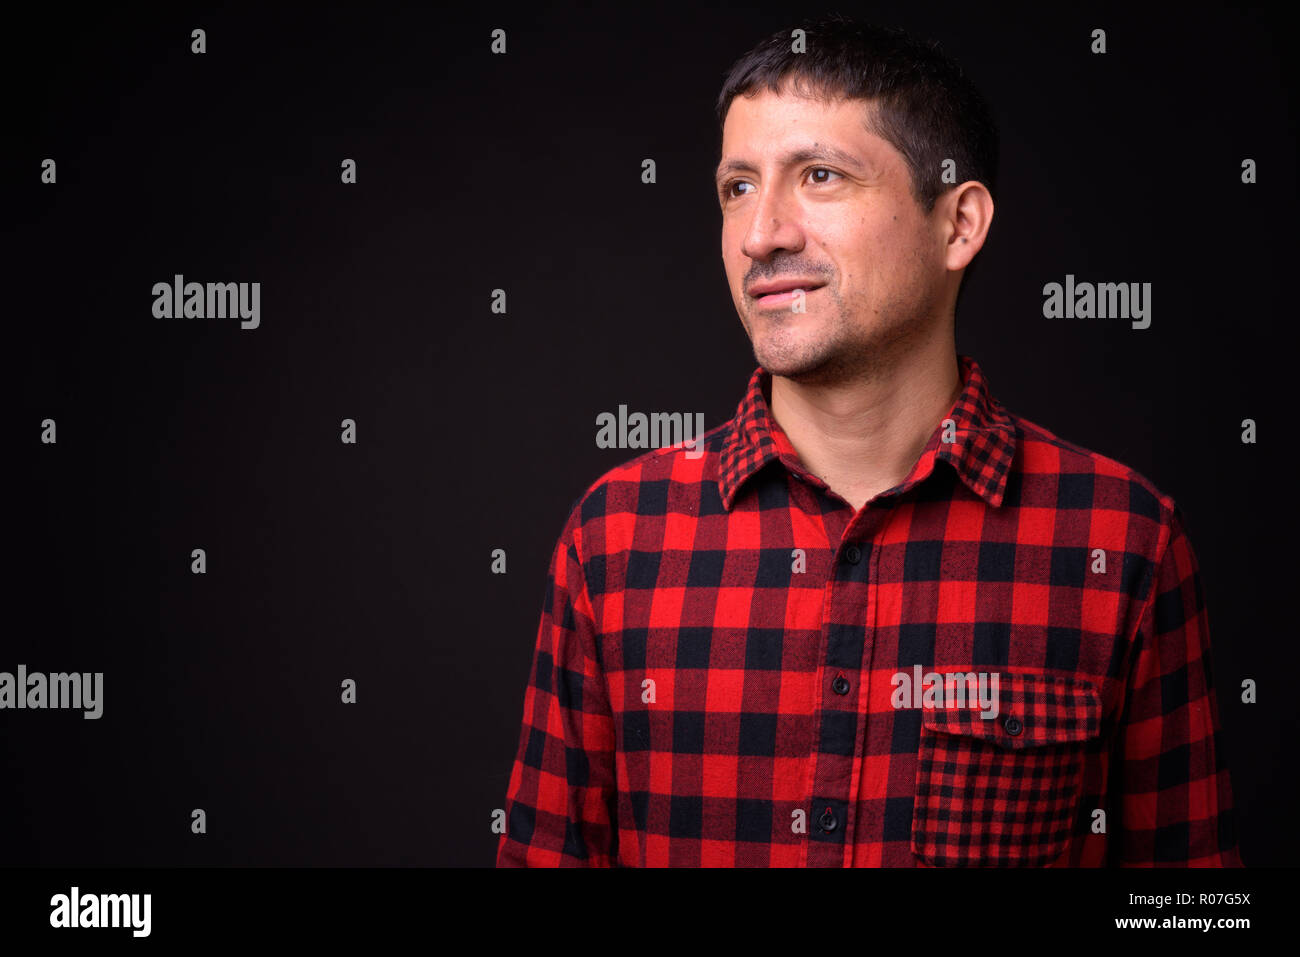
x=834 y=349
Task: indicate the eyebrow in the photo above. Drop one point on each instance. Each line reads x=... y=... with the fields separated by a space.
x=794 y=157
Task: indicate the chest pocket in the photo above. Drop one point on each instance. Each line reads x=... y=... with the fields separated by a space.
x=1004 y=791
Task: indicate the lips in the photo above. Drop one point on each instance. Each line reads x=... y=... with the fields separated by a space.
x=780 y=296
x=777 y=286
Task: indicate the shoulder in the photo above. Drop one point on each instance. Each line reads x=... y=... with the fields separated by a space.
x=674 y=478
x=1100 y=496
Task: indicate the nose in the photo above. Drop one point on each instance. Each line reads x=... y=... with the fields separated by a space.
x=775 y=225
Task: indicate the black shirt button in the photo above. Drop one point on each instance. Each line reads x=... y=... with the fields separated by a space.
x=1012 y=726
x=853 y=554
x=828 y=822
x=840 y=684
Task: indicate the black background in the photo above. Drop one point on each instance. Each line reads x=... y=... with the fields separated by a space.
x=476 y=430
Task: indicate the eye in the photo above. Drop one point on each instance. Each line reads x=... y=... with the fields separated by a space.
x=724 y=191
x=823 y=169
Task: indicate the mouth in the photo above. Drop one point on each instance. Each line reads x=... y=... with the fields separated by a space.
x=779 y=297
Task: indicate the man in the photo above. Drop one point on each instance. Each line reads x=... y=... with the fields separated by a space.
x=882 y=620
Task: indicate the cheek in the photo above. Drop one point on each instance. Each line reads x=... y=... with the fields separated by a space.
x=879 y=247
x=864 y=252
x=731 y=256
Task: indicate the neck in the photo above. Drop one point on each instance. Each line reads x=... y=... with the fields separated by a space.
x=862 y=435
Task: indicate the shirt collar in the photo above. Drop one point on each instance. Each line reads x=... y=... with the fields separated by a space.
x=981 y=450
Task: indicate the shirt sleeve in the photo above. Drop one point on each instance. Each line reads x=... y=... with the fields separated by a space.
x=1171 y=778
x=560 y=806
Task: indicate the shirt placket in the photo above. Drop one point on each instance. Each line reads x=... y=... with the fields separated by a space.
x=846 y=648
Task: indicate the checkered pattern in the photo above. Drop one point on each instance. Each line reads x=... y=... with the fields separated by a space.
x=1004 y=790
x=714 y=675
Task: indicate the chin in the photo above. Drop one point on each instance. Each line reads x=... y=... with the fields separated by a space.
x=788 y=352
x=789 y=367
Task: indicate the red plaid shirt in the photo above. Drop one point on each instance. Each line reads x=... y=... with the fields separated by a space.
x=716 y=678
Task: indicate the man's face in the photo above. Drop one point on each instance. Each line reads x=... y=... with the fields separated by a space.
x=811 y=194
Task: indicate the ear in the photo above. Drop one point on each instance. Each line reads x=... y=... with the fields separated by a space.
x=968 y=220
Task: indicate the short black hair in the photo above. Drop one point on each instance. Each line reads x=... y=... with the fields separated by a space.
x=924 y=105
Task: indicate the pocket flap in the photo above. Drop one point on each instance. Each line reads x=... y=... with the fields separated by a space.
x=1032 y=710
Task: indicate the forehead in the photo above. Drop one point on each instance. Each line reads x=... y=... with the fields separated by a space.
x=786 y=125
